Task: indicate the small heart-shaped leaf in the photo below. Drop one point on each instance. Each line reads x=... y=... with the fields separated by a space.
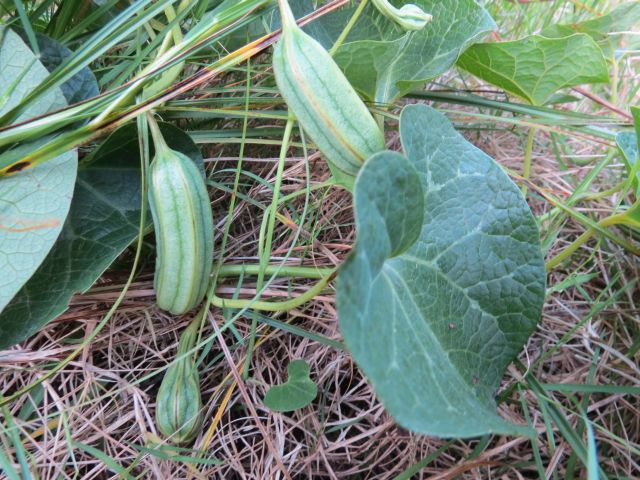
x=298 y=391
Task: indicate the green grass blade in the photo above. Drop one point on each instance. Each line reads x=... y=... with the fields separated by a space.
x=109 y=462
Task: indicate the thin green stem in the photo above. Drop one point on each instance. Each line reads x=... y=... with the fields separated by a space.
x=271 y=217
x=528 y=153
x=582 y=188
x=270 y=213
x=190 y=335
x=288 y=20
x=318 y=186
x=272 y=306
x=580 y=217
x=225 y=271
x=176 y=33
x=158 y=140
x=347 y=29
x=174 y=37
x=568 y=251
x=578 y=242
x=599 y=195
x=166 y=43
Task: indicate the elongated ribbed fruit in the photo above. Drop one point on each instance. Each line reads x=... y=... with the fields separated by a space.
x=178 y=403
x=322 y=99
x=184 y=230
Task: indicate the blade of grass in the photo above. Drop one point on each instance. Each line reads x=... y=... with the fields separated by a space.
x=106 y=38
x=535 y=445
x=432 y=457
x=90 y=132
x=580 y=388
x=555 y=410
x=12 y=432
x=301 y=332
x=26 y=26
x=109 y=462
x=6 y=467
x=592 y=453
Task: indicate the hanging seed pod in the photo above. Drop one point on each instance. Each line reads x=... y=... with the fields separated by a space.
x=183 y=225
x=322 y=99
x=178 y=403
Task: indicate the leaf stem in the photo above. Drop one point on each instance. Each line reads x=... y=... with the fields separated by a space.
x=158 y=140
x=347 y=29
x=225 y=271
x=578 y=242
x=288 y=20
x=271 y=306
x=271 y=217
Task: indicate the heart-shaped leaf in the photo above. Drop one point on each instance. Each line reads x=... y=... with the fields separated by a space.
x=446 y=282
x=297 y=392
x=535 y=68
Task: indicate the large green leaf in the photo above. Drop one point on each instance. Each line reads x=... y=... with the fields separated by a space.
x=535 y=68
x=446 y=282
x=103 y=220
x=33 y=203
x=390 y=62
x=621 y=19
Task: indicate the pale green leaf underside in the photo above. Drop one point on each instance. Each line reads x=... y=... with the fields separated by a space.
x=297 y=392
x=446 y=282
x=33 y=203
x=535 y=68
x=390 y=62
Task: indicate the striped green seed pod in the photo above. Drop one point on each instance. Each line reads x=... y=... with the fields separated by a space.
x=183 y=226
x=178 y=403
x=322 y=99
